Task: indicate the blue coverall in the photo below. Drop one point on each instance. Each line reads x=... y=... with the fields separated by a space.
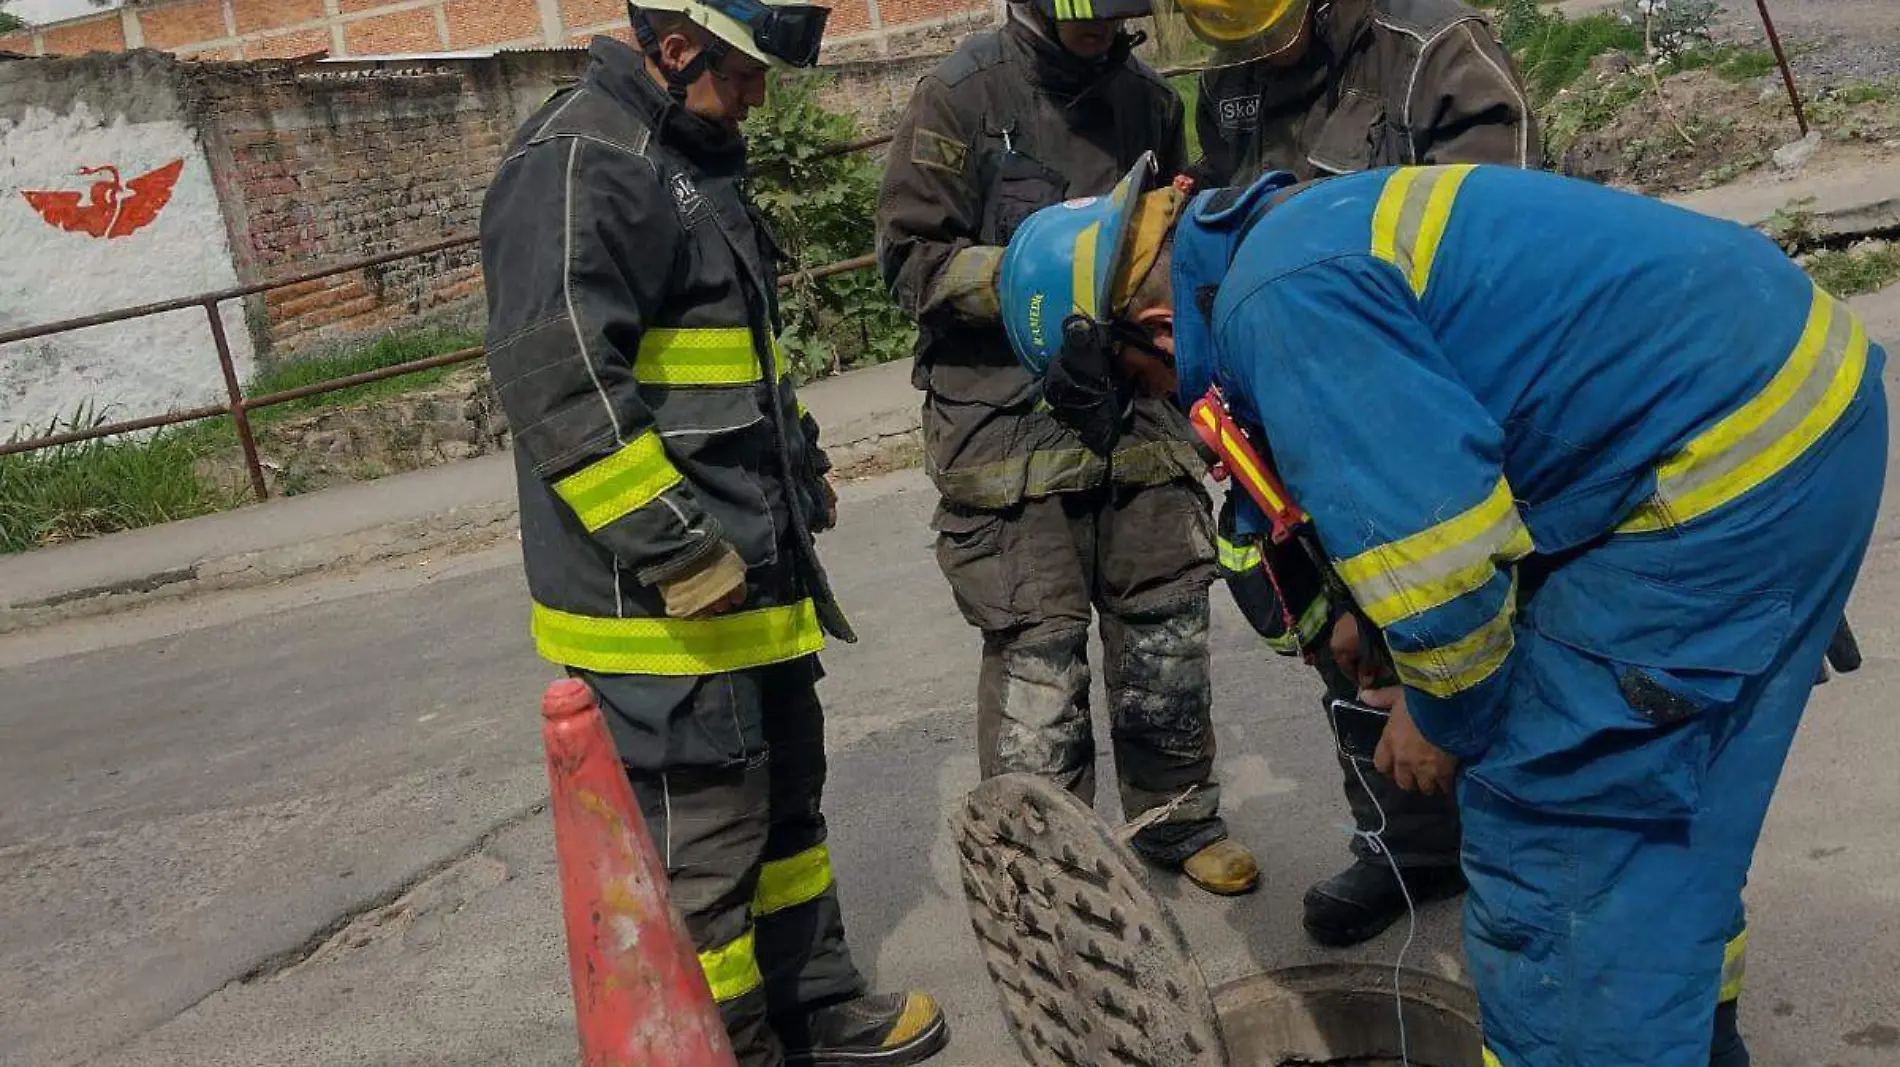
x=1603 y=471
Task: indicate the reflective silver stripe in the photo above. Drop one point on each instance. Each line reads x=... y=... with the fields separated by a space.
x=1446 y=670
x=1755 y=442
x=1408 y=577
x=1411 y=217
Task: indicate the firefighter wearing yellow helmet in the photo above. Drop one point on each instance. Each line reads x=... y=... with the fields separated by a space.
x=1314 y=88
x=670 y=489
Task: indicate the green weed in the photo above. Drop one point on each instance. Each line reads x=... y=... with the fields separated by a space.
x=1852 y=271
x=1552 y=52
x=822 y=208
x=1188 y=88
x=101 y=486
x=386 y=351
x=1727 y=61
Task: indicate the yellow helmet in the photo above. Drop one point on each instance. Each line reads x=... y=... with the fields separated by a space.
x=1227 y=23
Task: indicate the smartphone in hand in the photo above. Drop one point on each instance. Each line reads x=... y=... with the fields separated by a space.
x=1357 y=728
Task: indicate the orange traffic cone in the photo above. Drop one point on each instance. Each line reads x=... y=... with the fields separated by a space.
x=640 y=997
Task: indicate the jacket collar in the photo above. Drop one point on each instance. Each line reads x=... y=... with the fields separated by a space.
x=1337 y=27
x=1052 y=66
x=1206 y=240
x=620 y=72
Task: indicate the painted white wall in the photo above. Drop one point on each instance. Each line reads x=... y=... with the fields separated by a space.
x=127 y=370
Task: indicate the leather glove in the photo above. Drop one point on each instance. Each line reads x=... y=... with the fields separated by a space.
x=715 y=587
x=1081 y=389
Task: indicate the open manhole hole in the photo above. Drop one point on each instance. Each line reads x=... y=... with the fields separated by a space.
x=1092 y=971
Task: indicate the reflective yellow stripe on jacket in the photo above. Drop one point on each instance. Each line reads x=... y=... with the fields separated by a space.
x=1446 y=670
x=678 y=647
x=1734 y=968
x=1410 y=220
x=1762 y=437
x=721 y=355
x=795 y=880
x=1236 y=558
x=624 y=482
x=732 y=969
x=1408 y=577
x=1307 y=628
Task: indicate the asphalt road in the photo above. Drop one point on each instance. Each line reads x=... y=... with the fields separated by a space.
x=299 y=826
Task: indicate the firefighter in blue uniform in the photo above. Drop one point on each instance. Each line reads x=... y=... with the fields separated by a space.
x=1642 y=458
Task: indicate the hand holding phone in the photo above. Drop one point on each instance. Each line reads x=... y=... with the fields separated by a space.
x=1357 y=728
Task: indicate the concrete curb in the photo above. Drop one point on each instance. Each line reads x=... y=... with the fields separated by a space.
x=458 y=529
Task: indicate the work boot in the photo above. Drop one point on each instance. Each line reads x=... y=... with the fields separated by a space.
x=1728 y=1049
x=882 y=1030
x=1224 y=868
x=1361 y=901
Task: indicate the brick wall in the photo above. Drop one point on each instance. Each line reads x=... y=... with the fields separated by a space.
x=319 y=165
x=267 y=29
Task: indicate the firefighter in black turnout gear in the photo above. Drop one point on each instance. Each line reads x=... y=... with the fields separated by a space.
x=670 y=486
x=1039 y=531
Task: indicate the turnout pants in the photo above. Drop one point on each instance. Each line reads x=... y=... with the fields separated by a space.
x=1032 y=578
x=729 y=771
x=1656 y=686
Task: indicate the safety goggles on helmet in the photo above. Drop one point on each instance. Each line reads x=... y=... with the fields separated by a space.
x=775 y=34
x=791 y=33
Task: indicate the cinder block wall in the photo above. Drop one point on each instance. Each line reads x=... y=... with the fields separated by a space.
x=323 y=164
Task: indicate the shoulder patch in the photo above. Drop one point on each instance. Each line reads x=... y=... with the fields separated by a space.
x=931 y=149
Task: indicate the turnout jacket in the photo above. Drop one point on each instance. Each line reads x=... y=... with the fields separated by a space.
x=1007 y=125
x=632 y=316
x=1382 y=83
x=1461 y=401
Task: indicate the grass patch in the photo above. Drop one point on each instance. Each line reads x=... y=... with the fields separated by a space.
x=1856 y=93
x=385 y=352
x=111 y=484
x=1587 y=110
x=1730 y=62
x=1853 y=271
x=1552 y=52
x=98 y=487
x=1188 y=88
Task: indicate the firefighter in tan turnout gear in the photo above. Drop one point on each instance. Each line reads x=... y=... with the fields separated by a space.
x=669 y=491
x=1037 y=535
x=1331 y=87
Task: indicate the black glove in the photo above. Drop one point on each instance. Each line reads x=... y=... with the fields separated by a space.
x=1081 y=389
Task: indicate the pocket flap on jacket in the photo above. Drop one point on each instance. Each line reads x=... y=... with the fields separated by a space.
x=1602 y=609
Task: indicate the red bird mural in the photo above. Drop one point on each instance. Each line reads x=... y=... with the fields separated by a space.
x=116 y=209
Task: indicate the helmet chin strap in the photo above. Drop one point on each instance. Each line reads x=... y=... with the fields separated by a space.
x=677 y=81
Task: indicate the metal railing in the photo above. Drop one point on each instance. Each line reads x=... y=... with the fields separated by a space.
x=237 y=405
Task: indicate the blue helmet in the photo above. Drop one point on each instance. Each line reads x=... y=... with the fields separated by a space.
x=1062 y=261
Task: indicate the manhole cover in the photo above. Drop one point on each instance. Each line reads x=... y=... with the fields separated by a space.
x=1091 y=968
x=1093 y=972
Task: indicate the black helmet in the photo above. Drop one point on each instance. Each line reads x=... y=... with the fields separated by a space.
x=1089 y=10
